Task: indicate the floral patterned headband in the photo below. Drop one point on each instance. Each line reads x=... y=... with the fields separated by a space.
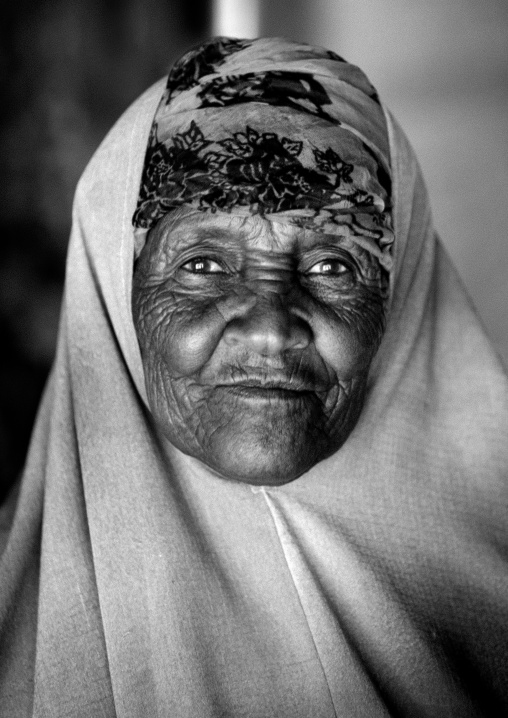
x=281 y=129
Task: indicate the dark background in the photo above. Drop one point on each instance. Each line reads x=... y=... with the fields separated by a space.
x=68 y=69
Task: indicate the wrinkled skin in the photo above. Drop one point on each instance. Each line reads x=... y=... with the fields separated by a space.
x=256 y=339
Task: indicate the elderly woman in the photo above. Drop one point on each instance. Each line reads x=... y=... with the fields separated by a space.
x=268 y=475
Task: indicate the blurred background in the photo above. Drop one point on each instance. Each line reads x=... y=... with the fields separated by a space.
x=70 y=67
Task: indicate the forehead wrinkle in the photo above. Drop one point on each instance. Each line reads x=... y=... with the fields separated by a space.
x=270 y=235
x=185 y=228
x=312 y=239
x=192 y=229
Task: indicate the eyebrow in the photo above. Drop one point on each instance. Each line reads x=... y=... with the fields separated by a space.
x=193 y=235
x=185 y=236
x=319 y=238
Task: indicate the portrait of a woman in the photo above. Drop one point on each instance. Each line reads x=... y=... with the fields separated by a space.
x=268 y=476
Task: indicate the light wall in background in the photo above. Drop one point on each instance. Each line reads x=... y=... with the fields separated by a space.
x=236 y=18
x=442 y=68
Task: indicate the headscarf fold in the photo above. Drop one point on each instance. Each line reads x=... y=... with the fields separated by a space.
x=136 y=583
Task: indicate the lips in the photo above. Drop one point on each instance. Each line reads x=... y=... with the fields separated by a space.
x=275 y=385
x=272 y=382
x=264 y=394
x=268 y=386
x=271 y=378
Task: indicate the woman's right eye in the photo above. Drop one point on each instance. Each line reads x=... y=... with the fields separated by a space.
x=331 y=267
x=203 y=265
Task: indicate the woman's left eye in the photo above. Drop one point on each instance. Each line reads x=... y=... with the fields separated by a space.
x=329 y=267
x=203 y=265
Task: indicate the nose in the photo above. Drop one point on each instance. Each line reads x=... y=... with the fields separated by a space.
x=268 y=327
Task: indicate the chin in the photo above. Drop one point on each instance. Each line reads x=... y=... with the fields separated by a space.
x=266 y=445
x=261 y=470
x=273 y=459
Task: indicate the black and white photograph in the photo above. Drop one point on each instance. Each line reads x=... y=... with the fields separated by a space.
x=253 y=377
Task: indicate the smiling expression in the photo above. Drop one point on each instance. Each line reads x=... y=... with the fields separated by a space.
x=256 y=339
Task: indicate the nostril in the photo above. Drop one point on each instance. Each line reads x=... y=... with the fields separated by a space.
x=268 y=333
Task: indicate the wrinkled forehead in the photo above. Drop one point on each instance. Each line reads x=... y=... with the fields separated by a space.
x=274 y=128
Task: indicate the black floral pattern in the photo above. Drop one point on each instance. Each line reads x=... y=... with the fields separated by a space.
x=300 y=91
x=201 y=61
x=261 y=170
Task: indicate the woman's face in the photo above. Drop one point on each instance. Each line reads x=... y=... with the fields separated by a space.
x=256 y=339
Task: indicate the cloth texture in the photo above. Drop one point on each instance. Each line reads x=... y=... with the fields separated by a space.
x=275 y=129
x=135 y=583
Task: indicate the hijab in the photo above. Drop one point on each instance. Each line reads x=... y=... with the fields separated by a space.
x=135 y=582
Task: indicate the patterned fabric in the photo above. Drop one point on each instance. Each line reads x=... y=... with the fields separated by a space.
x=276 y=128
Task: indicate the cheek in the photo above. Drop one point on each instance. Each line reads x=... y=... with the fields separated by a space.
x=190 y=342
x=180 y=335
x=348 y=339
x=341 y=349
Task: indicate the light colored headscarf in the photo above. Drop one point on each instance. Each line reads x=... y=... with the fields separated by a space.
x=134 y=583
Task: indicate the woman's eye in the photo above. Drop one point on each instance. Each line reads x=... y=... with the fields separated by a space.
x=329 y=267
x=203 y=265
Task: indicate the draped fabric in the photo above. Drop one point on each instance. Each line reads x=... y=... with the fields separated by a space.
x=135 y=583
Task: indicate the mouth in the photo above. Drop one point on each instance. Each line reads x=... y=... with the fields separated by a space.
x=264 y=393
x=271 y=388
